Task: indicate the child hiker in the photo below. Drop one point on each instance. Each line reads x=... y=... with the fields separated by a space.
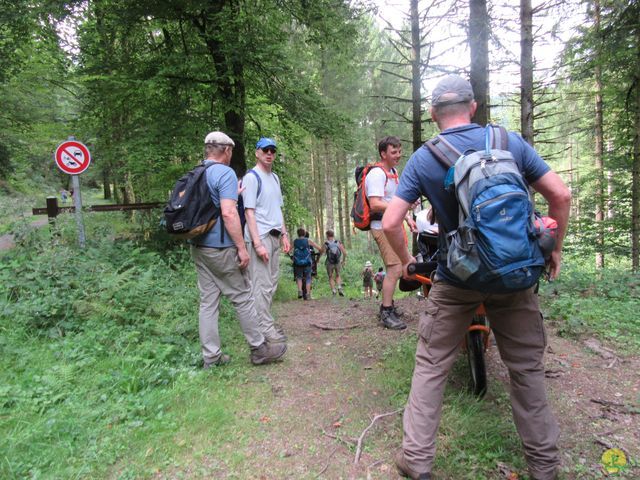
x=367 y=279
x=379 y=278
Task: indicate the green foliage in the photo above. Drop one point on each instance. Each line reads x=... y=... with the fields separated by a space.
x=602 y=303
x=100 y=350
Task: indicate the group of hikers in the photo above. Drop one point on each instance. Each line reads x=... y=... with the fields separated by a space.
x=305 y=256
x=244 y=267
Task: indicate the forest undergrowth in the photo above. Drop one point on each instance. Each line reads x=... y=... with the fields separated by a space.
x=100 y=354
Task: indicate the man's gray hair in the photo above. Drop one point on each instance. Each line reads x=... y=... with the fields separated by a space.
x=215 y=149
x=452 y=109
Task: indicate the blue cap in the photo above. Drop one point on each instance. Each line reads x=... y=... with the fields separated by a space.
x=265 y=142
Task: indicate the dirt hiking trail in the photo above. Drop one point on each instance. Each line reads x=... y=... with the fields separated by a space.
x=324 y=396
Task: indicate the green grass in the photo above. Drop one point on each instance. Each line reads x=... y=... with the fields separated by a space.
x=584 y=302
x=474 y=435
x=100 y=369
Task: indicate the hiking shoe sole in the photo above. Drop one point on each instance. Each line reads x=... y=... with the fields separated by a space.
x=269 y=359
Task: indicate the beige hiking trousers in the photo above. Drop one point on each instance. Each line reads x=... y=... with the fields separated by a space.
x=219 y=274
x=517 y=325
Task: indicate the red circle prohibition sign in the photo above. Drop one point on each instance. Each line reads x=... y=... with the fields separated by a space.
x=72 y=157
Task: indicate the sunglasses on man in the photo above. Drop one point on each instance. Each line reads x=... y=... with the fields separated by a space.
x=268 y=150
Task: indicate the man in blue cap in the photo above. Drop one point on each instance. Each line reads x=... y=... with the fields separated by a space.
x=265 y=233
x=221 y=260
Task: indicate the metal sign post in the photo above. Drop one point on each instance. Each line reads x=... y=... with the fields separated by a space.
x=77 y=202
x=73 y=158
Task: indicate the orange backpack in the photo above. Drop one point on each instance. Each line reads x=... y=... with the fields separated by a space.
x=361 y=211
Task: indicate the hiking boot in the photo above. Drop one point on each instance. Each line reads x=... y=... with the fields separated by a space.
x=277 y=336
x=340 y=292
x=390 y=320
x=299 y=293
x=267 y=353
x=223 y=359
x=334 y=292
x=398 y=312
x=406 y=471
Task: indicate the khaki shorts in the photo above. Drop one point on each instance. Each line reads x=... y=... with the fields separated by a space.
x=389 y=257
x=333 y=267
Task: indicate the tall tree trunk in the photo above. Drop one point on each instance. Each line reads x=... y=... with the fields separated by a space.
x=328 y=184
x=635 y=196
x=347 y=209
x=526 y=71
x=599 y=144
x=339 y=187
x=610 y=205
x=230 y=87
x=106 y=184
x=319 y=179
x=479 y=48
x=416 y=78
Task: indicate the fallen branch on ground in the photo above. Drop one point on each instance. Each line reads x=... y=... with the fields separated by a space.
x=361 y=439
x=616 y=407
x=330 y=327
x=328 y=463
x=350 y=442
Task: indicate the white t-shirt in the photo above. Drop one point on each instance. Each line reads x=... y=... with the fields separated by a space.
x=375 y=185
x=268 y=205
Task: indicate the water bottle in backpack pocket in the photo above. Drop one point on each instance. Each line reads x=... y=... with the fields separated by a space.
x=462 y=255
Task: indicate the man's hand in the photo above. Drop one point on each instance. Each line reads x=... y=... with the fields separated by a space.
x=554 y=265
x=243 y=258
x=412 y=224
x=262 y=253
x=405 y=273
x=286 y=246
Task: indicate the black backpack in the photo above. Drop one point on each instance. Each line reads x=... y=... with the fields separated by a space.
x=190 y=211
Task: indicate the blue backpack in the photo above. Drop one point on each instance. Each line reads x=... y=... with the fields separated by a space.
x=301 y=253
x=495 y=247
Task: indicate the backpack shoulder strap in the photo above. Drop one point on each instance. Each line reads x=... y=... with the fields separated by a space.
x=259 y=181
x=443 y=151
x=499 y=137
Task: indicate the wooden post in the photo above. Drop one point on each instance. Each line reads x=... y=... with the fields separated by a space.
x=52 y=209
x=52 y=213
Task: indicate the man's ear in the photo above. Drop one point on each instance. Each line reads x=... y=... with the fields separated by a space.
x=474 y=107
x=432 y=111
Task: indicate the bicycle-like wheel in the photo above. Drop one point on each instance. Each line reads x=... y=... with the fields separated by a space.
x=475 y=357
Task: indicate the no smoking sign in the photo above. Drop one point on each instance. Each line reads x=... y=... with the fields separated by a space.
x=72 y=157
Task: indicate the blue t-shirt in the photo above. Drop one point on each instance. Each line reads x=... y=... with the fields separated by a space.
x=424 y=175
x=223 y=184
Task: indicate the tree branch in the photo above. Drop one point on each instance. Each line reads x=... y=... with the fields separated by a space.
x=361 y=438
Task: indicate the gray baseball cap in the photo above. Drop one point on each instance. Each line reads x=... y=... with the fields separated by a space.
x=219 y=138
x=451 y=89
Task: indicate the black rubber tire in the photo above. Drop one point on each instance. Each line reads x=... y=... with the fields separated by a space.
x=477 y=367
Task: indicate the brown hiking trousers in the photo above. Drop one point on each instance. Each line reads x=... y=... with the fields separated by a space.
x=517 y=325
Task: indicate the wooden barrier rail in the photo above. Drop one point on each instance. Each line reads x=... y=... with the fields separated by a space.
x=52 y=209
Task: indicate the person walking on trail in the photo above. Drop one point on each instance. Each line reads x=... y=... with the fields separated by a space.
x=221 y=259
x=381 y=185
x=367 y=280
x=313 y=273
x=265 y=233
x=379 y=278
x=336 y=257
x=515 y=318
x=302 y=263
